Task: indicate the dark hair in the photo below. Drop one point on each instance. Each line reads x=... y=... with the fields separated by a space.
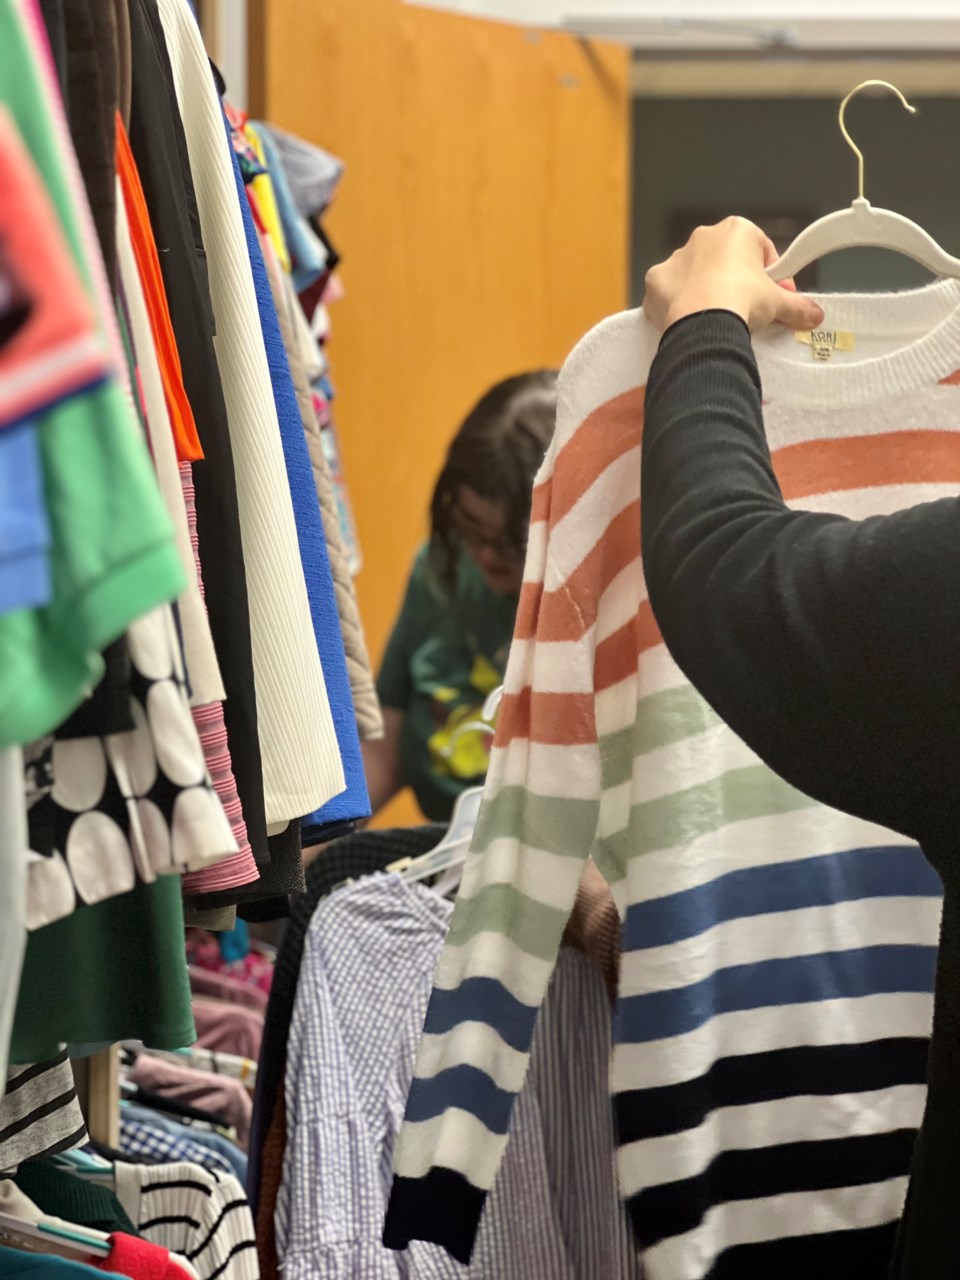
x=497 y=453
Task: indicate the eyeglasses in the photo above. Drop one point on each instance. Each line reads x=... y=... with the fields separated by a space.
x=474 y=539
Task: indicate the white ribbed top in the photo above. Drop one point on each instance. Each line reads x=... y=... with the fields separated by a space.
x=302 y=769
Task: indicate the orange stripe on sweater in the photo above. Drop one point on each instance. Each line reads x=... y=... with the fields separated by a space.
x=619 y=547
x=605 y=435
x=540 y=508
x=866 y=462
x=570 y=611
x=648 y=633
x=550 y=719
x=617 y=656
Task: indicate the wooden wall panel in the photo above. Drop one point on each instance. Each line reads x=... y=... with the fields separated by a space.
x=483 y=221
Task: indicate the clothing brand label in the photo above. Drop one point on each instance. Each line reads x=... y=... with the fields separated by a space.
x=824 y=342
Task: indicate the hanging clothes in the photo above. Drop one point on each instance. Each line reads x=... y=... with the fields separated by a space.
x=380 y=937
x=350 y=858
x=307 y=255
x=352 y=803
x=126 y=563
x=366 y=705
x=39 y=1113
x=15 y=1265
x=160 y=150
x=107 y=973
x=302 y=768
x=55 y=351
x=199 y=653
x=13 y=893
x=201 y=1214
x=312 y=173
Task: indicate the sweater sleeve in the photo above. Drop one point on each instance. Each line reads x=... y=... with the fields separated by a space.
x=821 y=641
x=536 y=829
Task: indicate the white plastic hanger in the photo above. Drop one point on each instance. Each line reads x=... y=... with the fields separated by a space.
x=453 y=848
x=862 y=225
x=78 y=1242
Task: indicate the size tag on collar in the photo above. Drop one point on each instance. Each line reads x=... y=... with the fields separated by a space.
x=824 y=342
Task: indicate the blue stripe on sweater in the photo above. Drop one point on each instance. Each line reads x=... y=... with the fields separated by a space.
x=465 y=1088
x=809 y=882
x=482 y=1000
x=832 y=975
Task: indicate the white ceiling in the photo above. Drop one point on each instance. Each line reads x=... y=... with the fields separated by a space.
x=816 y=26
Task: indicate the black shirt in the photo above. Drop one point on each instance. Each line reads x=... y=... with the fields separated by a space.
x=832 y=647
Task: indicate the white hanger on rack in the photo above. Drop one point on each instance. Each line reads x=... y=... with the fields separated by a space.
x=453 y=848
x=78 y=1242
x=862 y=225
x=455 y=845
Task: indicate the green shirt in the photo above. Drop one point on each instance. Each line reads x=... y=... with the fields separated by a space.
x=113 y=555
x=113 y=971
x=448 y=651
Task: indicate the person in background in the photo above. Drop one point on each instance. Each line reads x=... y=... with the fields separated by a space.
x=449 y=646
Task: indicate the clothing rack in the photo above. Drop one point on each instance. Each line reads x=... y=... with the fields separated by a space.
x=98 y=1088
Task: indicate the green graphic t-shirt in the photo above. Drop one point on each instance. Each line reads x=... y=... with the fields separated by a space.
x=447 y=653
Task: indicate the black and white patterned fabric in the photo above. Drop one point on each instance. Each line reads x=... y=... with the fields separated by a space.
x=105 y=811
x=198 y=1213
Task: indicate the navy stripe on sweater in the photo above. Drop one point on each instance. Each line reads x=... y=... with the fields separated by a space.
x=897 y=872
x=829 y=975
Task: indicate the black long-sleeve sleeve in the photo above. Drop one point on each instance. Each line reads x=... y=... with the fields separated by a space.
x=832 y=647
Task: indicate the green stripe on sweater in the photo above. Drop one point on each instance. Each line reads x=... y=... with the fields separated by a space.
x=500 y=908
x=677 y=819
x=555 y=824
x=662 y=719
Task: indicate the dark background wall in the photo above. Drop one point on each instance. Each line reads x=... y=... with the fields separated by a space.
x=783 y=157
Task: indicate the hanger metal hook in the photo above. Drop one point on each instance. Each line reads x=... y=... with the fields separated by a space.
x=867 y=84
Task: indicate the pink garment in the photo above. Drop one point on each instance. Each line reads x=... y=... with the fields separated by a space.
x=58 y=349
x=228 y=1028
x=253 y=969
x=241 y=868
x=35 y=30
x=204 y=982
x=203 y=1089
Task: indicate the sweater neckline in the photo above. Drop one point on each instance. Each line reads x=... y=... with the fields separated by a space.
x=925 y=322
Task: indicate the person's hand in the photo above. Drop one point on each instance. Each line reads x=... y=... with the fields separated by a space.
x=724 y=267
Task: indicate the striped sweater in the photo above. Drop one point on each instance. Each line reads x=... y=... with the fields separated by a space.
x=778 y=956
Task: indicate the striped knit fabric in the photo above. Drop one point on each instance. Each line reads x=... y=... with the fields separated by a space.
x=240 y=868
x=777 y=956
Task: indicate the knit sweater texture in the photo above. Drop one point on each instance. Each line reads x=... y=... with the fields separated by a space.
x=778 y=955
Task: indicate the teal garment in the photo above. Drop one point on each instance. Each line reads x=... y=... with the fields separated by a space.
x=15 y=1265
x=447 y=653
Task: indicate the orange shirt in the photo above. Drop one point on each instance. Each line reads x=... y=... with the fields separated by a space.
x=185 y=435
